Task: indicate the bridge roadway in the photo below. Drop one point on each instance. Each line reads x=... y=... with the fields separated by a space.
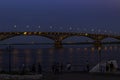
x=58 y=37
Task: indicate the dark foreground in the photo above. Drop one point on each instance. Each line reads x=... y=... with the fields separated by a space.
x=82 y=76
x=67 y=76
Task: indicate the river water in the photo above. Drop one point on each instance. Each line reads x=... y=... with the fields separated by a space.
x=77 y=55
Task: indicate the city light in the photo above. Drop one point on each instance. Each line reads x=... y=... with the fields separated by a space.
x=15 y=26
x=70 y=28
x=39 y=32
x=25 y=33
x=39 y=26
x=92 y=30
x=51 y=27
x=27 y=26
x=86 y=34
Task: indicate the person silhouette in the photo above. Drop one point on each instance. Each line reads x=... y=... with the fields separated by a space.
x=87 y=66
x=23 y=69
x=111 y=66
x=33 y=68
x=61 y=67
x=107 y=67
x=39 y=68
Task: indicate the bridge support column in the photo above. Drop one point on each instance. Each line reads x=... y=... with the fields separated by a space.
x=97 y=43
x=58 y=44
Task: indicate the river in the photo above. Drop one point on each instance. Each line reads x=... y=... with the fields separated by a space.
x=77 y=55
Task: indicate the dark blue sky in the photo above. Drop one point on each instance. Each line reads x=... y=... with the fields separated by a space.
x=60 y=14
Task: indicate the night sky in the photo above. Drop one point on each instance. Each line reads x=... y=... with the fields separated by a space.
x=60 y=15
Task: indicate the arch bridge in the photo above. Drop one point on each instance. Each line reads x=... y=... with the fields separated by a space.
x=58 y=37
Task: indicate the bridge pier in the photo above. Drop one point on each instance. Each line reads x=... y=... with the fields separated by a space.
x=58 y=44
x=97 y=43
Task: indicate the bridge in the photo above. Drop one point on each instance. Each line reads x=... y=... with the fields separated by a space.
x=58 y=37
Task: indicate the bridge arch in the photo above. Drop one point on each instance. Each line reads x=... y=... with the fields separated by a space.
x=80 y=38
x=28 y=38
x=110 y=39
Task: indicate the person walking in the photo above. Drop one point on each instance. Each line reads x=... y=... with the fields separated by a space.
x=107 y=67
x=39 y=68
x=87 y=66
x=61 y=67
x=111 y=67
x=33 y=68
x=23 y=69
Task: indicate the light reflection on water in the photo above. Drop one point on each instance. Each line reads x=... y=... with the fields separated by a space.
x=47 y=56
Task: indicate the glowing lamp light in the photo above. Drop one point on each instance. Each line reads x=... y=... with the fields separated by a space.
x=99 y=48
x=39 y=26
x=25 y=33
x=35 y=32
x=27 y=26
x=15 y=26
x=92 y=30
x=51 y=27
x=86 y=34
x=39 y=32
